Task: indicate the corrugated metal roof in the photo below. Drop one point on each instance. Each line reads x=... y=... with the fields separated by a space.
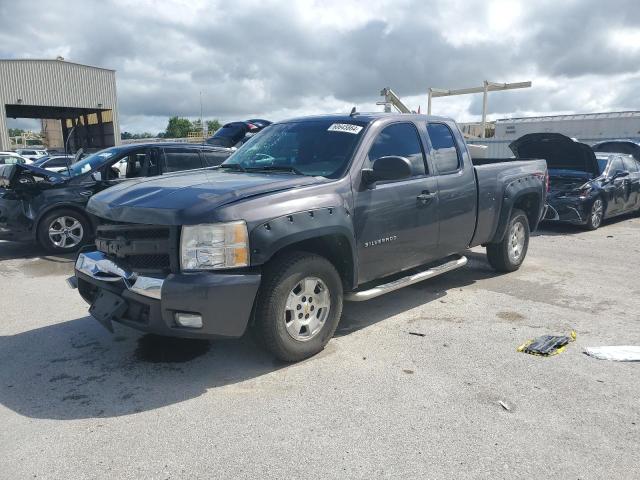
x=576 y=116
x=52 y=60
x=56 y=83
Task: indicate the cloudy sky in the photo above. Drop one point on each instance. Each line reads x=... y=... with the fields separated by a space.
x=277 y=59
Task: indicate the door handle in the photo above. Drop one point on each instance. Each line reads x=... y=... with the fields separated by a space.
x=425 y=197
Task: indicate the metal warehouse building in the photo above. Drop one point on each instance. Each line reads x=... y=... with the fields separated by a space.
x=588 y=128
x=83 y=98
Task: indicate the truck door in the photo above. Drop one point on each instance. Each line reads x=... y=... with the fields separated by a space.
x=396 y=222
x=457 y=190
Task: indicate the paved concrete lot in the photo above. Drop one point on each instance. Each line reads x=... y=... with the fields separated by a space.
x=78 y=402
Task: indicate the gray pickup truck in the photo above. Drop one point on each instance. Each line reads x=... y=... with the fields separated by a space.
x=308 y=213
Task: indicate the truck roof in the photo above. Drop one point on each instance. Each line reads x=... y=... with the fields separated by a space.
x=367 y=117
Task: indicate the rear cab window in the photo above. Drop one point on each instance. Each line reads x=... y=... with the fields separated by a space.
x=213 y=158
x=445 y=149
x=400 y=140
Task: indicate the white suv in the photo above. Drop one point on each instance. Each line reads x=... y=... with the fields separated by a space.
x=7 y=158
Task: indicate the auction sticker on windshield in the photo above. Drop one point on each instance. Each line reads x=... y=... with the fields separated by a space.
x=345 y=127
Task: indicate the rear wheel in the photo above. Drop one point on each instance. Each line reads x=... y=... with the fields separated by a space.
x=299 y=306
x=62 y=231
x=508 y=255
x=596 y=215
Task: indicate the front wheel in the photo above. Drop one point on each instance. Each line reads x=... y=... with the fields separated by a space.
x=508 y=255
x=596 y=215
x=63 y=231
x=299 y=305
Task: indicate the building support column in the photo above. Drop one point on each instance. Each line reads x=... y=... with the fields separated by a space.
x=5 y=144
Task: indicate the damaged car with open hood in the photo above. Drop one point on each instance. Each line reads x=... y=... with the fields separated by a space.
x=586 y=187
x=49 y=207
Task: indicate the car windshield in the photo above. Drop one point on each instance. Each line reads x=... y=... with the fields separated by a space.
x=316 y=148
x=92 y=162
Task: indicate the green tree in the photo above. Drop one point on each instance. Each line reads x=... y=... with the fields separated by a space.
x=15 y=132
x=178 y=127
x=213 y=125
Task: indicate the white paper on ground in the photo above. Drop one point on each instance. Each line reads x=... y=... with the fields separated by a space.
x=617 y=353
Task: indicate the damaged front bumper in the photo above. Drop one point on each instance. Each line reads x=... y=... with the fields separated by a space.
x=222 y=301
x=567 y=209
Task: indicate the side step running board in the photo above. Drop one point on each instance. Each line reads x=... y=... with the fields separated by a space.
x=359 y=296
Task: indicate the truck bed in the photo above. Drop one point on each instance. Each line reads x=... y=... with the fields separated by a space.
x=494 y=177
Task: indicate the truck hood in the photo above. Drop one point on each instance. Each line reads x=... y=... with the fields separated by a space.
x=189 y=197
x=561 y=153
x=10 y=177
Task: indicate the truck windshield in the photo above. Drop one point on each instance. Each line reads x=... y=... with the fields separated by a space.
x=92 y=162
x=315 y=148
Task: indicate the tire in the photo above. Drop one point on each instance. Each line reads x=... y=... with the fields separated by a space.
x=595 y=219
x=287 y=321
x=508 y=255
x=75 y=230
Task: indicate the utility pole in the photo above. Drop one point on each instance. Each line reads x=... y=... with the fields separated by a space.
x=204 y=130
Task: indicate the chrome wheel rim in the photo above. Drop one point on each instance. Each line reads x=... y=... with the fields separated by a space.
x=596 y=213
x=516 y=242
x=307 y=309
x=65 y=232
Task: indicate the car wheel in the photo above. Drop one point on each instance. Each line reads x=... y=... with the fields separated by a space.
x=299 y=305
x=63 y=231
x=596 y=214
x=508 y=255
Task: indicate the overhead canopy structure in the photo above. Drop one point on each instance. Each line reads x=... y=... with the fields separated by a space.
x=484 y=89
x=82 y=97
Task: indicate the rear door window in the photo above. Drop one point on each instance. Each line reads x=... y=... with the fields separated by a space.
x=630 y=165
x=616 y=166
x=181 y=158
x=400 y=140
x=445 y=150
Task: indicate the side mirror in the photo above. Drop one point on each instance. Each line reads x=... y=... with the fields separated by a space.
x=97 y=176
x=388 y=168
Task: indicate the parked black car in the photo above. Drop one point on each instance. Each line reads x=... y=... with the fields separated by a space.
x=307 y=213
x=234 y=134
x=49 y=207
x=619 y=146
x=585 y=187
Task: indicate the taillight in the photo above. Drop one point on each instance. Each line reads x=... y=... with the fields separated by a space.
x=548 y=181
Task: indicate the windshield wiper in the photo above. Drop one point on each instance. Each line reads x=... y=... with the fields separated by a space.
x=233 y=166
x=275 y=168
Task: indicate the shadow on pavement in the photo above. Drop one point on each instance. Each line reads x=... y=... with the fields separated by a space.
x=76 y=369
x=19 y=250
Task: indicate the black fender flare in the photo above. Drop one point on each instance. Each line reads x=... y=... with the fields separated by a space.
x=513 y=192
x=276 y=234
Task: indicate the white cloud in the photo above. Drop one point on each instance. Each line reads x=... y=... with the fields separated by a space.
x=277 y=59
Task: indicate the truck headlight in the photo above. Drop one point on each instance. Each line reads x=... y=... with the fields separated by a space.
x=214 y=246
